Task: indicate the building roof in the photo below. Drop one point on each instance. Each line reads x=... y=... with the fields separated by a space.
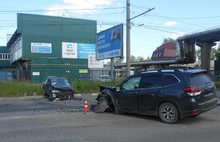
x=167 y=50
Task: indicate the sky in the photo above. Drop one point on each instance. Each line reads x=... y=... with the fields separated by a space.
x=168 y=19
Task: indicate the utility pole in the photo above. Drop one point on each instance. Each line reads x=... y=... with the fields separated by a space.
x=128 y=62
x=128 y=20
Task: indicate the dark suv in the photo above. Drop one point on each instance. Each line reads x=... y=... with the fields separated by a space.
x=169 y=94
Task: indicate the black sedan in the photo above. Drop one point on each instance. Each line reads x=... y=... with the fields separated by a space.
x=57 y=87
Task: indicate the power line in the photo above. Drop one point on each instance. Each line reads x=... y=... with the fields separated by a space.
x=61 y=9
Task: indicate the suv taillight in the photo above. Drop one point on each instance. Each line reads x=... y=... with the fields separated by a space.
x=192 y=91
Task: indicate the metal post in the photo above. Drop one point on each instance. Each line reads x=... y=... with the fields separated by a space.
x=128 y=40
x=111 y=68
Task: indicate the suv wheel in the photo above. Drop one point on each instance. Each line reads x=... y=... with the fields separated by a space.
x=101 y=105
x=168 y=113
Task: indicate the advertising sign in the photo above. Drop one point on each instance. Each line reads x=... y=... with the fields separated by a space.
x=69 y=50
x=84 y=49
x=41 y=47
x=77 y=50
x=93 y=63
x=110 y=43
x=83 y=70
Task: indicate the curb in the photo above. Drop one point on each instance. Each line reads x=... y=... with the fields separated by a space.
x=69 y=110
x=30 y=97
x=77 y=95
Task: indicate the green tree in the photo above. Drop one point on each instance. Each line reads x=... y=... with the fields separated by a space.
x=213 y=53
x=198 y=54
x=140 y=59
x=167 y=40
x=148 y=58
x=132 y=58
x=118 y=59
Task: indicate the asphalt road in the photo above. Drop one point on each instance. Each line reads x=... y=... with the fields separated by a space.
x=28 y=119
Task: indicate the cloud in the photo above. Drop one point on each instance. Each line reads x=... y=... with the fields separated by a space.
x=170 y=23
x=176 y=35
x=79 y=7
x=55 y=10
x=142 y=49
x=119 y=4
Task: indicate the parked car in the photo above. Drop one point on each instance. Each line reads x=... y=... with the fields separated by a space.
x=104 y=78
x=57 y=87
x=168 y=94
x=85 y=77
x=123 y=77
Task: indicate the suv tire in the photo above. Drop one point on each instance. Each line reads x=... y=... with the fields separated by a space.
x=168 y=113
x=101 y=105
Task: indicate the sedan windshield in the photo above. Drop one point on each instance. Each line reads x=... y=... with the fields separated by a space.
x=59 y=82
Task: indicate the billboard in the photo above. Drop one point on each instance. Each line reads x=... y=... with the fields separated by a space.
x=93 y=63
x=41 y=47
x=110 y=43
x=77 y=50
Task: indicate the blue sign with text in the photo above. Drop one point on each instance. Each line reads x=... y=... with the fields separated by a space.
x=110 y=43
x=41 y=48
x=83 y=50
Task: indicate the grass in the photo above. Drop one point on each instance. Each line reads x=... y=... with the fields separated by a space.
x=86 y=86
x=217 y=84
x=18 y=88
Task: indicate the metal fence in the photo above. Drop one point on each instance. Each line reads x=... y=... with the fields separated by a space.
x=214 y=75
x=6 y=75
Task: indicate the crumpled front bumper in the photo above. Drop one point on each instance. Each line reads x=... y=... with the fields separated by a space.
x=64 y=94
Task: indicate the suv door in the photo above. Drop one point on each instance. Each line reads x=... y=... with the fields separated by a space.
x=127 y=97
x=151 y=89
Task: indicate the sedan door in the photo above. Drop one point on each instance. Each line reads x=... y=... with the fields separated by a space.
x=127 y=97
x=47 y=86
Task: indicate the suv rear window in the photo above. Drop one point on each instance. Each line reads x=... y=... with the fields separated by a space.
x=199 y=79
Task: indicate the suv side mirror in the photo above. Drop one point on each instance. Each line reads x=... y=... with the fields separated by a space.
x=118 y=89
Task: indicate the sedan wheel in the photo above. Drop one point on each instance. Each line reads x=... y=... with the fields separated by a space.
x=168 y=113
x=44 y=92
x=50 y=96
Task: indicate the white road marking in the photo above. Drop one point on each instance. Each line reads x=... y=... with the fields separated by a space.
x=94 y=94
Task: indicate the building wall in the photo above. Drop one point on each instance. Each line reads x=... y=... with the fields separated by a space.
x=54 y=30
x=5 y=58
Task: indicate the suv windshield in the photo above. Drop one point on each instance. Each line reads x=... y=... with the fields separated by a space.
x=60 y=82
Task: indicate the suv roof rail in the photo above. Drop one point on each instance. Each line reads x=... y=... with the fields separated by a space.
x=167 y=69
